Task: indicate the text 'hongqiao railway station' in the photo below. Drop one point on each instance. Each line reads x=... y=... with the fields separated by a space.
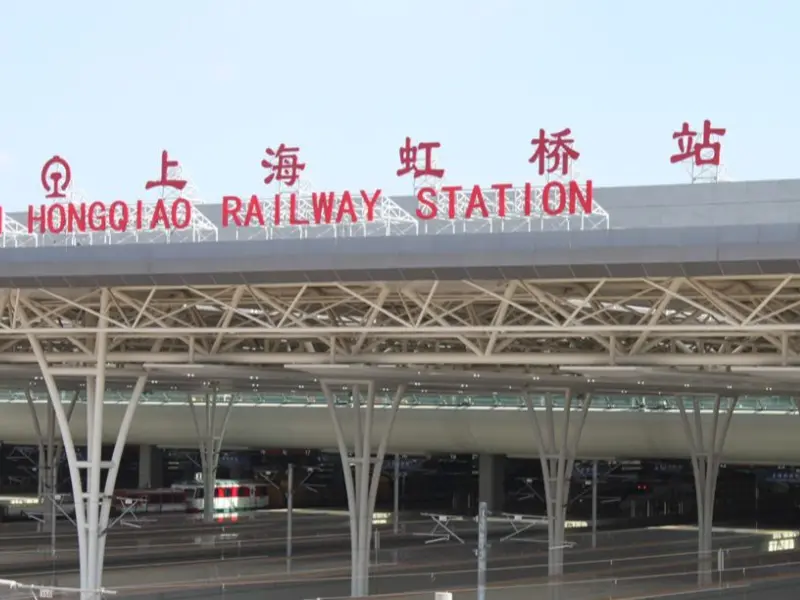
x=554 y=318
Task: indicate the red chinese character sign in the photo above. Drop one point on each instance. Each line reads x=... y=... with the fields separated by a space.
x=283 y=165
x=703 y=154
x=171 y=210
x=165 y=200
x=418 y=160
x=553 y=154
x=165 y=181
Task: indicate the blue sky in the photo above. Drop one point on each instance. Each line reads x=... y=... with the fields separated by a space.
x=216 y=82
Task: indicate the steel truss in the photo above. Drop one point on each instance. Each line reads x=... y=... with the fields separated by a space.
x=710 y=323
x=15 y=234
x=92 y=505
x=210 y=437
x=557 y=455
x=362 y=468
x=706 y=448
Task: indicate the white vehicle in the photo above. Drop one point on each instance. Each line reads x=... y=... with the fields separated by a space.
x=230 y=495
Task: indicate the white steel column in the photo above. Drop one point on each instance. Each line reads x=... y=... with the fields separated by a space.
x=594 y=504
x=362 y=490
x=557 y=456
x=92 y=506
x=113 y=470
x=210 y=441
x=706 y=449
x=396 y=496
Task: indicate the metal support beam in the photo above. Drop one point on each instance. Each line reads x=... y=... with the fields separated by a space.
x=482 y=551
x=557 y=455
x=49 y=458
x=93 y=505
x=210 y=436
x=594 y=504
x=706 y=448
x=289 y=511
x=396 y=496
x=362 y=490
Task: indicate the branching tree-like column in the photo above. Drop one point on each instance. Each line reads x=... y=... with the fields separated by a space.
x=362 y=490
x=93 y=505
x=706 y=448
x=557 y=455
x=210 y=435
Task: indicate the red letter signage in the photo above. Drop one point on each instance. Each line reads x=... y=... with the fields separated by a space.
x=705 y=152
x=52 y=170
x=553 y=153
x=409 y=155
x=177 y=215
x=285 y=167
x=352 y=209
x=165 y=181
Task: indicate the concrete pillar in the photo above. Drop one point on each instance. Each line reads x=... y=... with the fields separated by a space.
x=151 y=467
x=491 y=481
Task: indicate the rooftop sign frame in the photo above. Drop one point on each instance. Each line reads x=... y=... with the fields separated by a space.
x=295 y=210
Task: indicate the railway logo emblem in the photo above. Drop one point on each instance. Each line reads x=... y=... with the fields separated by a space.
x=57 y=171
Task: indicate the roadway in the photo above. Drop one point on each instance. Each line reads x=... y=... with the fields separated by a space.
x=168 y=539
x=633 y=563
